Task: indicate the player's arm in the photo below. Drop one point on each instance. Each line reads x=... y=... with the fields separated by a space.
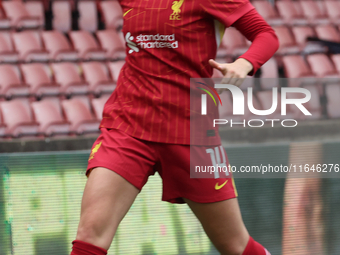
x=264 y=45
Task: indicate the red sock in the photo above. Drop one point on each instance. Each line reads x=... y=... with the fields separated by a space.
x=83 y=248
x=254 y=248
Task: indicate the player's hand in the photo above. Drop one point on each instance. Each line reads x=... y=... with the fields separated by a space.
x=233 y=73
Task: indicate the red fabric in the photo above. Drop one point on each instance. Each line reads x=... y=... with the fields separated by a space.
x=168 y=42
x=254 y=248
x=83 y=248
x=263 y=38
x=135 y=160
x=152 y=97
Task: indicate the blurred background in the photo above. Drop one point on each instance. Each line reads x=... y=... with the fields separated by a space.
x=59 y=62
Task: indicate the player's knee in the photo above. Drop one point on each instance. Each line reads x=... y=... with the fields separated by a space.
x=85 y=234
x=89 y=232
x=95 y=232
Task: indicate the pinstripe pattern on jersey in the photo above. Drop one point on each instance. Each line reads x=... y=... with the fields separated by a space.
x=152 y=97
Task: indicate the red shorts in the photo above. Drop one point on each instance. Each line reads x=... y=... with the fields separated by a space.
x=135 y=160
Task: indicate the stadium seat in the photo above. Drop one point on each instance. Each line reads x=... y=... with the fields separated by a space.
x=313 y=13
x=88 y=19
x=234 y=42
x=328 y=33
x=58 y=46
x=301 y=33
x=62 y=19
x=266 y=10
x=112 y=43
x=286 y=40
x=20 y=18
x=39 y=77
x=269 y=74
x=97 y=75
x=333 y=102
x=296 y=67
x=98 y=105
x=55 y=100
x=18 y=118
x=50 y=119
x=322 y=7
x=290 y=13
x=68 y=76
x=86 y=100
x=5 y=23
x=7 y=52
x=112 y=13
x=87 y=46
x=10 y=82
x=115 y=68
x=336 y=61
x=29 y=46
x=298 y=8
x=79 y=115
x=36 y=9
x=333 y=11
x=322 y=66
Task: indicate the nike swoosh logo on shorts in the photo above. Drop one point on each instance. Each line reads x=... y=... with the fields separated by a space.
x=217 y=187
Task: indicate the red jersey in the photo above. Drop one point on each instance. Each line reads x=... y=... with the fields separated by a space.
x=168 y=42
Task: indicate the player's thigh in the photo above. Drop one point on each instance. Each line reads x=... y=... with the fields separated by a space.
x=222 y=222
x=107 y=198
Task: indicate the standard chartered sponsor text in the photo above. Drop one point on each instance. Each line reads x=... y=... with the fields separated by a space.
x=157 y=41
x=268 y=168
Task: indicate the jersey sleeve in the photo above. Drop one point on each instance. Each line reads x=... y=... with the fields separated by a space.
x=226 y=11
x=263 y=38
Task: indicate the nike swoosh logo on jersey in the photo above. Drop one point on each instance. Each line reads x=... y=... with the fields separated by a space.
x=217 y=187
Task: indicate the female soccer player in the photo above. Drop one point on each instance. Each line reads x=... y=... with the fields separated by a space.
x=145 y=126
